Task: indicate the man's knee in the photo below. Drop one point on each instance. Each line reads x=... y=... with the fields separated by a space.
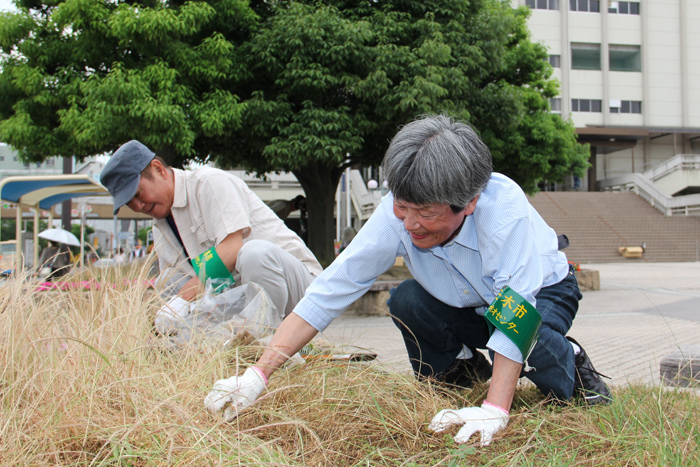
x=552 y=350
x=253 y=252
x=257 y=257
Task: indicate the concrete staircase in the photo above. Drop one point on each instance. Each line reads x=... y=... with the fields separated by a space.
x=598 y=223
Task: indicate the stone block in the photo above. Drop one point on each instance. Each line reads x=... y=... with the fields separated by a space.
x=373 y=303
x=588 y=279
x=682 y=367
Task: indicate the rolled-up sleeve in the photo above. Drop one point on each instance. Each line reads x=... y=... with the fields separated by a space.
x=510 y=258
x=372 y=252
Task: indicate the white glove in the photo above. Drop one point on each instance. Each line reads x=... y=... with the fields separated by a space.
x=239 y=391
x=488 y=419
x=177 y=309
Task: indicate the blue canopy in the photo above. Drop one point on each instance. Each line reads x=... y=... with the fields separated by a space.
x=42 y=192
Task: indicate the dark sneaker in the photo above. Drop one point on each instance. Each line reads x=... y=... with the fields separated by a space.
x=588 y=383
x=466 y=373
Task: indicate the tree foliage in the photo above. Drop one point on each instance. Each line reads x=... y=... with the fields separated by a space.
x=8 y=229
x=81 y=77
x=87 y=231
x=143 y=235
x=310 y=87
x=329 y=84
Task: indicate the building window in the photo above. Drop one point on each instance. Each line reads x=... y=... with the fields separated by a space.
x=624 y=8
x=586 y=105
x=625 y=58
x=585 y=5
x=555 y=61
x=2 y=158
x=555 y=104
x=543 y=4
x=585 y=56
x=50 y=162
x=16 y=158
x=625 y=107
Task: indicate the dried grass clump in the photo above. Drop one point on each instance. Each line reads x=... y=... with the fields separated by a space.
x=342 y=414
x=83 y=381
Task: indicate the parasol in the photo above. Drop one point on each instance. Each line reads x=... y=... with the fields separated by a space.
x=60 y=236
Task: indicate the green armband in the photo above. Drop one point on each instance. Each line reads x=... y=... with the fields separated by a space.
x=208 y=265
x=516 y=318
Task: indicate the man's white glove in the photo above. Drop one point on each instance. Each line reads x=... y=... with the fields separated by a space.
x=176 y=310
x=236 y=393
x=488 y=419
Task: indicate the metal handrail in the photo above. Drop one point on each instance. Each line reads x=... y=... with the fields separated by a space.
x=641 y=185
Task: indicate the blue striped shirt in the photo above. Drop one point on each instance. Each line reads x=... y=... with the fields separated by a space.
x=504 y=242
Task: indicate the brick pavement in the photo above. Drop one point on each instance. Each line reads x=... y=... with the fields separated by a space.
x=643 y=312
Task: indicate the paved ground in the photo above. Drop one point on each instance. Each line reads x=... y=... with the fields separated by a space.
x=643 y=312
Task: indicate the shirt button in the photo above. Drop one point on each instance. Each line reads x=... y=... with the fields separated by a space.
x=466 y=292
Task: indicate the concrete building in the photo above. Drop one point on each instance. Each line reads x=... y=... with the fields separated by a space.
x=11 y=166
x=630 y=79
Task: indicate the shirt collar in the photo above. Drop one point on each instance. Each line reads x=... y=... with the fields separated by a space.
x=180 y=197
x=467 y=235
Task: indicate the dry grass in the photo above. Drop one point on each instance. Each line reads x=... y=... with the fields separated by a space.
x=83 y=381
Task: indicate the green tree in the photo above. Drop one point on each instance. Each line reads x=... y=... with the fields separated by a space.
x=87 y=231
x=143 y=235
x=9 y=231
x=329 y=84
x=81 y=77
x=307 y=87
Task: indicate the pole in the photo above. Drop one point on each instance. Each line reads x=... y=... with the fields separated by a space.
x=115 y=244
x=338 y=194
x=66 y=205
x=82 y=235
x=18 y=237
x=36 y=237
x=347 y=197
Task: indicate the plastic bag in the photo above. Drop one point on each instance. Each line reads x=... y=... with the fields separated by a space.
x=240 y=314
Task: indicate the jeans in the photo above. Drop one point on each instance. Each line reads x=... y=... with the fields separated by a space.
x=434 y=333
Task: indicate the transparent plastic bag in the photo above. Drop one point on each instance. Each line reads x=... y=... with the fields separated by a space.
x=242 y=313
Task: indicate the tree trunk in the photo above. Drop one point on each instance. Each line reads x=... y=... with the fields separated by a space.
x=319 y=183
x=169 y=155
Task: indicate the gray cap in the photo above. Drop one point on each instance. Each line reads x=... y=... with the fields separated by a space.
x=122 y=173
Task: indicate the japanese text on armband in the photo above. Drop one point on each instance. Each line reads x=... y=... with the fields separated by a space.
x=516 y=318
x=209 y=266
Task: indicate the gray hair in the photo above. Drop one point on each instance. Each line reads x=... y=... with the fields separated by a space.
x=436 y=160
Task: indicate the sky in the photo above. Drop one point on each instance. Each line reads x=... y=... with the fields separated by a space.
x=6 y=5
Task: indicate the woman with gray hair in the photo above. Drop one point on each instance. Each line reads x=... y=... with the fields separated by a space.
x=487 y=274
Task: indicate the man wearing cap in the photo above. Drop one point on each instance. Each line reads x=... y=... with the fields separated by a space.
x=208 y=224
x=137 y=252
